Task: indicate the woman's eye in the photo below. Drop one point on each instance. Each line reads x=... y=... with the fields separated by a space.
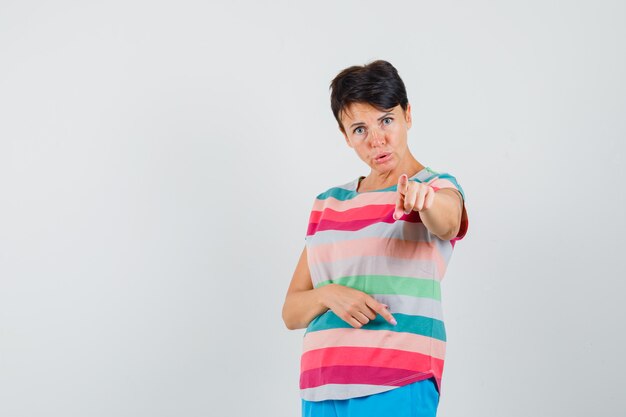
x=359 y=130
x=387 y=120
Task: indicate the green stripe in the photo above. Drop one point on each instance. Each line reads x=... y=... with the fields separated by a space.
x=424 y=326
x=390 y=284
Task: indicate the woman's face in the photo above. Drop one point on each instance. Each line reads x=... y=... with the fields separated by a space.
x=372 y=133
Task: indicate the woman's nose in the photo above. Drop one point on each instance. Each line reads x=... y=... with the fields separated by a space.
x=378 y=137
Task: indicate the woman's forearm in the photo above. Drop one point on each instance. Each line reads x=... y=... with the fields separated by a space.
x=301 y=307
x=443 y=217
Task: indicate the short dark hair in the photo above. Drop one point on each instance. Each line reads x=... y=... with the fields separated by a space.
x=376 y=83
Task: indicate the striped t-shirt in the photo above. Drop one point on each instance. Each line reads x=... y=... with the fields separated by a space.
x=353 y=240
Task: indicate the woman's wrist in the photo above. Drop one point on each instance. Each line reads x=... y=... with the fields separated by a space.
x=322 y=296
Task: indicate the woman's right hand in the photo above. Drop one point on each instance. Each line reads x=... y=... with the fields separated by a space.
x=353 y=306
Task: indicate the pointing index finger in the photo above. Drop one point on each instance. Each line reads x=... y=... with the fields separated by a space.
x=403 y=182
x=381 y=309
x=388 y=316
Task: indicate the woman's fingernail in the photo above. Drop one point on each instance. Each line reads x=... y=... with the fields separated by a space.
x=394 y=322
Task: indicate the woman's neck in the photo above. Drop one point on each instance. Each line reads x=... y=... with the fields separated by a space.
x=379 y=180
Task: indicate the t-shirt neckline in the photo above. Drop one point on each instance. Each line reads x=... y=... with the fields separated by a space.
x=390 y=188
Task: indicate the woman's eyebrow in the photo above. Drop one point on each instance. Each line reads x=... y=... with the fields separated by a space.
x=379 y=119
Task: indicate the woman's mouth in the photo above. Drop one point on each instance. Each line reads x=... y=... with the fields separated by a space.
x=382 y=158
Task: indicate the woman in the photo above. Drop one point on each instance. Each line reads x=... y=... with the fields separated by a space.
x=367 y=285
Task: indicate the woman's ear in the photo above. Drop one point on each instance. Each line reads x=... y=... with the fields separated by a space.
x=407 y=116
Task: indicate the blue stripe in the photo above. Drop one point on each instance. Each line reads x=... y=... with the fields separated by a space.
x=424 y=326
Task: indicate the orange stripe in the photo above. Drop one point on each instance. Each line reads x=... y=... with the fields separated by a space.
x=380 y=338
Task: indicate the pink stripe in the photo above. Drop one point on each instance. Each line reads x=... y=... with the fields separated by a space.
x=360 y=375
x=347 y=226
x=348 y=355
x=385 y=216
x=361 y=200
x=375 y=246
x=359 y=213
x=315 y=216
x=374 y=338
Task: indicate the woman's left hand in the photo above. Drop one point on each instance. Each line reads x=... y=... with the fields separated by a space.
x=412 y=196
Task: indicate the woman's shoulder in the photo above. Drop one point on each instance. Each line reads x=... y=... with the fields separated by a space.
x=429 y=174
x=443 y=179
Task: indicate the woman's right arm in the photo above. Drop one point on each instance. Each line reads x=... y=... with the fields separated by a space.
x=303 y=302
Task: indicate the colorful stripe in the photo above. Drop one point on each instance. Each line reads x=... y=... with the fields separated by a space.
x=421 y=325
x=385 y=339
x=361 y=374
x=389 y=284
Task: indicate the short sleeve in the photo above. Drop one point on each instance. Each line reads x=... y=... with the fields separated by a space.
x=313 y=220
x=445 y=180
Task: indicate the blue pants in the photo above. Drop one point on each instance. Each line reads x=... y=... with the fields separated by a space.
x=419 y=399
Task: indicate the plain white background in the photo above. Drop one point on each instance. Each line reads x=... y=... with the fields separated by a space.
x=158 y=161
